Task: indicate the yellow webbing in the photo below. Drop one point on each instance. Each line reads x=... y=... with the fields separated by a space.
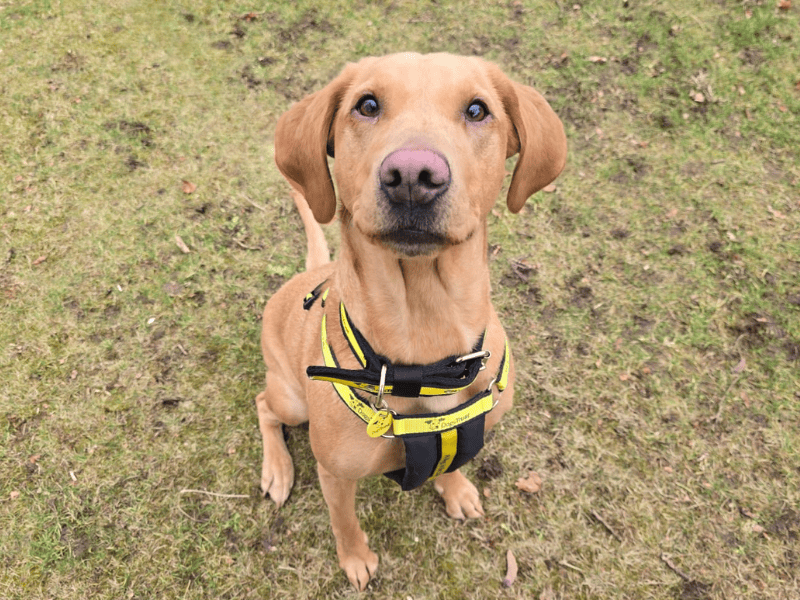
x=350 y=337
x=449 y=449
x=444 y=424
x=437 y=423
x=364 y=411
x=502 y=380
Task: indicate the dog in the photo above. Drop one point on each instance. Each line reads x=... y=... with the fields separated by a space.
x=393 y=353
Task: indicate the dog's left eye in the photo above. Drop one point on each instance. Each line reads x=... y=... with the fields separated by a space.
x=368 y=106
x=476 y=111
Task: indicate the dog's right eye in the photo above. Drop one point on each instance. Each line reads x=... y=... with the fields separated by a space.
x=368 y=106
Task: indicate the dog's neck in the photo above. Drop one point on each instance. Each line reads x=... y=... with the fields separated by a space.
x=420 y=309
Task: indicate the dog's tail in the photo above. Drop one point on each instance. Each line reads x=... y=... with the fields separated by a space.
x=318 y=253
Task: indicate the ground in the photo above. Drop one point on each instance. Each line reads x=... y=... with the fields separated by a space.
x=652 y=299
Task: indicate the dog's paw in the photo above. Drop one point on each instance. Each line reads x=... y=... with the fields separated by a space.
x=359 y=563
x=277 y=472
x=461 y=498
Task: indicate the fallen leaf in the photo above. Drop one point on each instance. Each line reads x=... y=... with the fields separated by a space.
x=598 y=59
x=549 y=188
x=775 y=213
x=14 y=495
x=181 y=244
x=511 y=571
x=624 y=377
x=698 y=97
x=757 y=528
x=532 y=483
x=547 y=594
x=740 y=367
x=784 y=4
x=188 y=187
x=39 y=260
x=34 y=459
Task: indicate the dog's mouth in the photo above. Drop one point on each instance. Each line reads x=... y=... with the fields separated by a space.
x=412 y=242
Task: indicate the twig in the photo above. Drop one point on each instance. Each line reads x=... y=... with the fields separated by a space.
x=258 y=206
x=566 y=565
x=215 y=494
x=608 y=528
x=675 y=569
x=246 y=247
x=718 y=415
x=183 y=512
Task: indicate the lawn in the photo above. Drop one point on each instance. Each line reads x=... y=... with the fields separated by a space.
x=652 y=301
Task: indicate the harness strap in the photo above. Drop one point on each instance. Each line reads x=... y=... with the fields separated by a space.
x=434 y=443
x=442 y=378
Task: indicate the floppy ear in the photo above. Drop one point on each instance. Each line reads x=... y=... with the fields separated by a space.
x=537 y=134
x=303 y=136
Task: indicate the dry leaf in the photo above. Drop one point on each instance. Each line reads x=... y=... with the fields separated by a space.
x=598 y=59
x=549 y=188
x=511 y=571
x=39 y=260
x=532 y=483
x=740 y=367
x=14 y=495
x=188 y=187
x=698 y=97
x=784 y=4
x=775 y=213
x=624 y=376
x=547 y=594
x=181 y=244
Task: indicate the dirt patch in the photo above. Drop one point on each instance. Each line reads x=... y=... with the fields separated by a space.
x=785 y=525
x=692 y=590
x=491 y=468
x=134 y=130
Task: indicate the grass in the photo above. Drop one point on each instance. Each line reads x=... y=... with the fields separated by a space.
x=653 y=301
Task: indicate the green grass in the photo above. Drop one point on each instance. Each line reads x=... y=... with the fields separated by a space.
x=656 y=327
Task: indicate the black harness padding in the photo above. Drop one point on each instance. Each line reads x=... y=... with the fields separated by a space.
x=424 y=450
x=446 y=376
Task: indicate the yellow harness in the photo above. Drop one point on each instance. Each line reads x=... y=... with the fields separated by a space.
x=435 y=443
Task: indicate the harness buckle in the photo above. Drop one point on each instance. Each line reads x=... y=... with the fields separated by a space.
x=382 y=420
x=484 y=355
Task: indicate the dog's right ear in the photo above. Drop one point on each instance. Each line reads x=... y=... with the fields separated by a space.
x=303 y=136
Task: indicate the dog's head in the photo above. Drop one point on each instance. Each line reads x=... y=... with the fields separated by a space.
x=420 y=143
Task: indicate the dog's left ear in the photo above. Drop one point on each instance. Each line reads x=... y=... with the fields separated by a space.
x=536 y=133
x=303 y=136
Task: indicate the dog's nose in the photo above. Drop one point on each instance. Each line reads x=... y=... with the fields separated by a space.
x=414 y=176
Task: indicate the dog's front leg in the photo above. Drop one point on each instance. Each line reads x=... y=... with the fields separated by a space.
x=355 y=557
x=461 y=498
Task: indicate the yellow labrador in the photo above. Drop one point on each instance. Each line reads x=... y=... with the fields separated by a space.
x=409 y=361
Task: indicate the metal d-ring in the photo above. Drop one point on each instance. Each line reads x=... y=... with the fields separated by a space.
x=484 y=355
x=381 y=403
